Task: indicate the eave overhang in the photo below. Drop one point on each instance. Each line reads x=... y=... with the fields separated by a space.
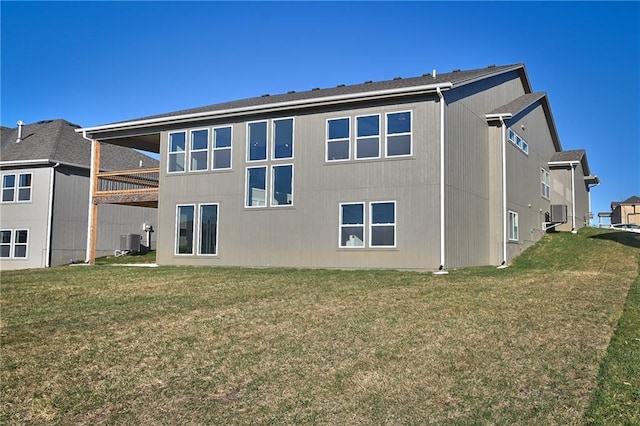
x=109 y=131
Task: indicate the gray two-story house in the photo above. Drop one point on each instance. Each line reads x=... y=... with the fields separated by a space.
x=432 y=172
x=46 y=187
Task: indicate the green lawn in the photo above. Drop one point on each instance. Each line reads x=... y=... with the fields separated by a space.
x=194 y=345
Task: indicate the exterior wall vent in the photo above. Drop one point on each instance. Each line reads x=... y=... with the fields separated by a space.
x=558 y=213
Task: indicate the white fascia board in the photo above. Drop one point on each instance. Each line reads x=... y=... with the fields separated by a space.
x=39 y=163
x=274 y=106
x=562 y=163
x=498 y=116
x=23 y=162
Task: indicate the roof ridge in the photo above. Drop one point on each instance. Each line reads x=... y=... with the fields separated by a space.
x=455 y=77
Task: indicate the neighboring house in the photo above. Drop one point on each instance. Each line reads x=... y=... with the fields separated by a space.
x=627 y=211
x=45 y=169
x=432 y=172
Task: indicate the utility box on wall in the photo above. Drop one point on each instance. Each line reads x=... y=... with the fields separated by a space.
x=130 y=242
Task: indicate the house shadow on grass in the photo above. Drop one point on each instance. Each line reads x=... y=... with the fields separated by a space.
x=627 y=238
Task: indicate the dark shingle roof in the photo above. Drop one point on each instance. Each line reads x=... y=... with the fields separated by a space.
x=457 y=78
x=56 y=141
x=576 y=155
x=567 y=156
x=634 y=199
x=519 y=104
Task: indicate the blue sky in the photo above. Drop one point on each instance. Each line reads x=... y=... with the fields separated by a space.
x=100 y=62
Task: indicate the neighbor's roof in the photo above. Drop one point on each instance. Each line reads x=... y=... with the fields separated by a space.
x=397 y=85
x=55 y=141
x=634 y=199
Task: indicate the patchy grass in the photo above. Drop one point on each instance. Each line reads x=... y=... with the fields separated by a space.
x=148 y=257
x=187 y=345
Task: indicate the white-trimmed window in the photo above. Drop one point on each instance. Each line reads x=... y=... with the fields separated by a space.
x=352 y=225
x=398 y=134
x=16 y=187
x=197 y=229
x=282 y=139
x=257 y=141
x=199 y=150
x=269 y=184
x=14 y=243
x=177 y=152
x=368 y=136
x=545 y=179
x=222 y=137
x=256 y=187
x=383 y=224
x=513 y=226
x=515 y=139
x=208 y=229
x=338 y=139
x=282 y=185
x=185 y=216
x=375 y=226
x=5 y=243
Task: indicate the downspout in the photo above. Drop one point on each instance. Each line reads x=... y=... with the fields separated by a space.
x=589 y=192
x=47 y=262
x=573 y=198
x=91 y=188
x=441 y=270
x=504 y=193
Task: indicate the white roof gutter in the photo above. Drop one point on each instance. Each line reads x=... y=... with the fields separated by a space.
x=39 y=163
x=272 y=106
x=563 y=163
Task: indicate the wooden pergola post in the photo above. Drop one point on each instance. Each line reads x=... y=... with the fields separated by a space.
x=93 y=207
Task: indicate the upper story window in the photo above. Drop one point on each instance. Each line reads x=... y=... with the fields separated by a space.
x=280 y=188
x=397 y=136
x=338 y=139
x=269 y=184
x=515 y=139
x=222 y=148
x=16 y=187
x=368 y=136
x=257 y=141
x=191 y=150
x=545 y=179
x=199 y=150
x=177 y=152
x=281 y=140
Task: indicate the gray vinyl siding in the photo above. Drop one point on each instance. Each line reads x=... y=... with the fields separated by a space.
x=70 y=212
x=524 y=192
x=70 y=219
x=307 y=233
x=561 y=194
x=471 y=157
x=31 y=216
